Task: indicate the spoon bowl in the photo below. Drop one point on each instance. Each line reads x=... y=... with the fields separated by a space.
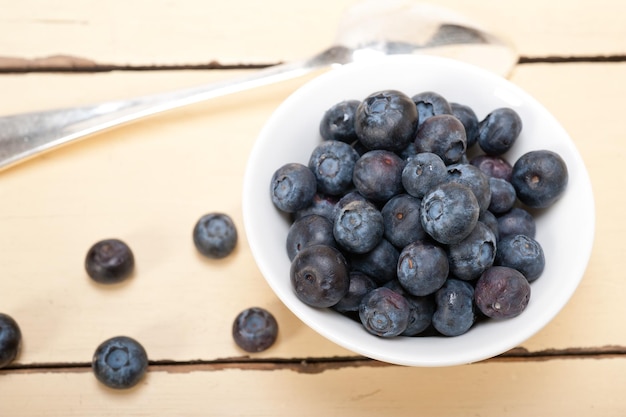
x=408 y=27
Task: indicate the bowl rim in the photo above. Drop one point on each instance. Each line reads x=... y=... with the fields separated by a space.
x=387 y=349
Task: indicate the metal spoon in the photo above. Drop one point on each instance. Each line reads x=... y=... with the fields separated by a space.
x=367 y=30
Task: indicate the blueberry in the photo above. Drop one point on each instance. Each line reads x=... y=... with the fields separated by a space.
x=322 y=205
x=408 y=152
x=422 y=172
x=358 y=227
x=401 y=220
x=359 y=147
x=395 y=285
x=473 y=255
x=503 y=196
x=499 y=130
x=293 y=187
x=443 y=135
x=360 y=284
x=491 y=221
x=475 y=179
x=384 y=312
x=422 y=268
x=109 y=261
x=332 y=163
x=449 y=212
x=308 y=231
x=338 y=122
x=345 y=199
x=319 y=276
x=502 y=292
x=120 y=362
x=493 y=166
x=255 y=329
x=522 y=253
x=379 y=263
x=215 y=235
x=516 y=221
x=10 y=340
x=540 y=178
x=386 y=120
x=430 y=103
x=454 y=314
x=422 y=309
x=469 y=119
x=378 y=175
x=420 y=315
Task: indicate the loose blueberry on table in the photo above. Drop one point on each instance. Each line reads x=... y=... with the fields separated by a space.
x=109 y=261
x=10 y=339
x=425 y=237
x=215 y=235
x=120 y=362
x=255 y=329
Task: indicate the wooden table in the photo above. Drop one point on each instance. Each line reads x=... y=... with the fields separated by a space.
x=147 y=183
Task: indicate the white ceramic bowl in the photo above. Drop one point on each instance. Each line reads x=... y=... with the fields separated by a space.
x=565 y=231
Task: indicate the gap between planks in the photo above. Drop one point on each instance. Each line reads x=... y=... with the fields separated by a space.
x=318 y=365
x=72 y=64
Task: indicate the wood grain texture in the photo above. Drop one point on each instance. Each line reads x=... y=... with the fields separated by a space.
x=187 y=32
x=149 y=182
x=565 y=387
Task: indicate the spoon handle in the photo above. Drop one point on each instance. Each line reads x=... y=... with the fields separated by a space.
x=23 y=136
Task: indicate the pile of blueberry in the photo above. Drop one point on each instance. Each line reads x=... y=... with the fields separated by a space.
x=410 y=219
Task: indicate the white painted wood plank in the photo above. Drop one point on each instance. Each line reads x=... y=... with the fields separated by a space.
x=591 y=387
x=144 y=32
